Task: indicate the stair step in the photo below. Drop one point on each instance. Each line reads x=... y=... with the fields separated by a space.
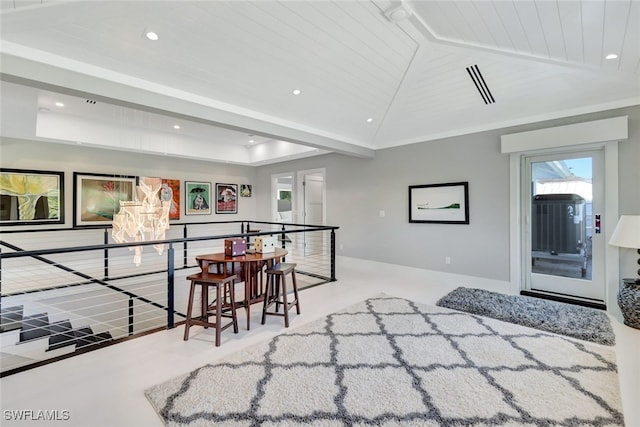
x=104 y=336
x=34 y=327
x=85 y=337
x=11 y=318
x=61 y=335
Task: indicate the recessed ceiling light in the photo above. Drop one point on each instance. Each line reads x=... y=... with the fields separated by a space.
x=297 y=91
x=152 y=35
x=370 y=119
x=176 y=126
x=251 y=141
x=611 y=56
x=59 y=104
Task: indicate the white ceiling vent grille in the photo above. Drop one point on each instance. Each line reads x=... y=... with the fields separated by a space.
x=481 y=85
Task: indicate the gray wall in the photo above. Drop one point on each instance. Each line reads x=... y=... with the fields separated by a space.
x=22 y=154
x=357 y=189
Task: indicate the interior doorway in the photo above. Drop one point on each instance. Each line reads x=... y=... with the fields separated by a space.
x=282 y=196
x=313 y=197
x=311 y=205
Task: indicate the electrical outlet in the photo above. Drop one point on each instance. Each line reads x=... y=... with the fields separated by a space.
x=382 y=214
x=340 y=246
x=447 y=260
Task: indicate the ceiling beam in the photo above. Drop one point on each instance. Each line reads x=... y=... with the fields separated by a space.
x=133 y=93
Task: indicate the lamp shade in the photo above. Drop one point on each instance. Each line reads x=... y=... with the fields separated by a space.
x=627 y=232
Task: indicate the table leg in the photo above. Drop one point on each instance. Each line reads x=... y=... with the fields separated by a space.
x=246 y=266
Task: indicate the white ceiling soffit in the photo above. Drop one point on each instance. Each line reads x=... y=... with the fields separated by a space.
x=234 y=65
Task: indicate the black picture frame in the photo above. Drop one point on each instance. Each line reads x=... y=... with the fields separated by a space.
x=97 y=197
x=446 y=203
x=22 y=206
x=226 y=198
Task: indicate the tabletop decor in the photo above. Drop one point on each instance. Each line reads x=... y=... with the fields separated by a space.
x=627 y=235
x=439 y=203
x=31 y=197
x=236 y=246
x=390 y=361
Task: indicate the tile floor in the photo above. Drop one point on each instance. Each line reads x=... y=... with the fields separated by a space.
x=106 y=387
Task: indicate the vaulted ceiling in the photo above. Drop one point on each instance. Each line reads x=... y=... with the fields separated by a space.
x=371 y=73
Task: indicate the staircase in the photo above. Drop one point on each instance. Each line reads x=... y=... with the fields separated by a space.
x=31 y=338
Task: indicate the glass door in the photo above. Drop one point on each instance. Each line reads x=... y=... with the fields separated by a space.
x=564 y=249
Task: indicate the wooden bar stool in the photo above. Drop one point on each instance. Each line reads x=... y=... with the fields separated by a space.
x=223 y=284
x=277 y=294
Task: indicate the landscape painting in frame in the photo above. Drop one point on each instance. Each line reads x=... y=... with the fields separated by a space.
x=198 y=198
x=97 y=197
x=30 y=197
x=226 y=198
x=439 y=203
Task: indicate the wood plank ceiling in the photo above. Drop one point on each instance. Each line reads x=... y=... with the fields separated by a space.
x=228 y=69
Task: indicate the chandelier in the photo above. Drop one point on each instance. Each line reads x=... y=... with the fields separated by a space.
x=144 y=219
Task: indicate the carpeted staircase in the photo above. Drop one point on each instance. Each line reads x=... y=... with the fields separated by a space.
x=38 y=327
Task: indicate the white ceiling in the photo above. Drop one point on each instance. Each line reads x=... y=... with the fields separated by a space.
x=224 y=70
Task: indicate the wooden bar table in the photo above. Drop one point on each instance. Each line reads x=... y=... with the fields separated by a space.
x=251 y=265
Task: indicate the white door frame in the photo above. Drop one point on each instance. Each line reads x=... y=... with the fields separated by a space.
x=274 y=194
x=590 y=289
x=610 y=217
x=300 y=202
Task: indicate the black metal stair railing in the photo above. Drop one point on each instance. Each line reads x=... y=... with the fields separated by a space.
x=76 y=301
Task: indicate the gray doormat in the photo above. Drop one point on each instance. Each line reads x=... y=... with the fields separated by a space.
x=557 y=317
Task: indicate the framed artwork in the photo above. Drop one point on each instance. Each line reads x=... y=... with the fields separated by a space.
x=284 y=195
x=197 y=198
x=171 y=191
x=226 y=198
x=97 y=197
x=245 y=190
x=30 y=197
x=439 y=203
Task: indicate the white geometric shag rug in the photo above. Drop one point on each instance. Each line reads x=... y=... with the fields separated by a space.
x=389 y=361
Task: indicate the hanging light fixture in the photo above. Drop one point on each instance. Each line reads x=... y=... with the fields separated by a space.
x=144 y=219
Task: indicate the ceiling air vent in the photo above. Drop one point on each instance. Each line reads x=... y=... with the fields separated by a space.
x=91 y=101
x=481 y=85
